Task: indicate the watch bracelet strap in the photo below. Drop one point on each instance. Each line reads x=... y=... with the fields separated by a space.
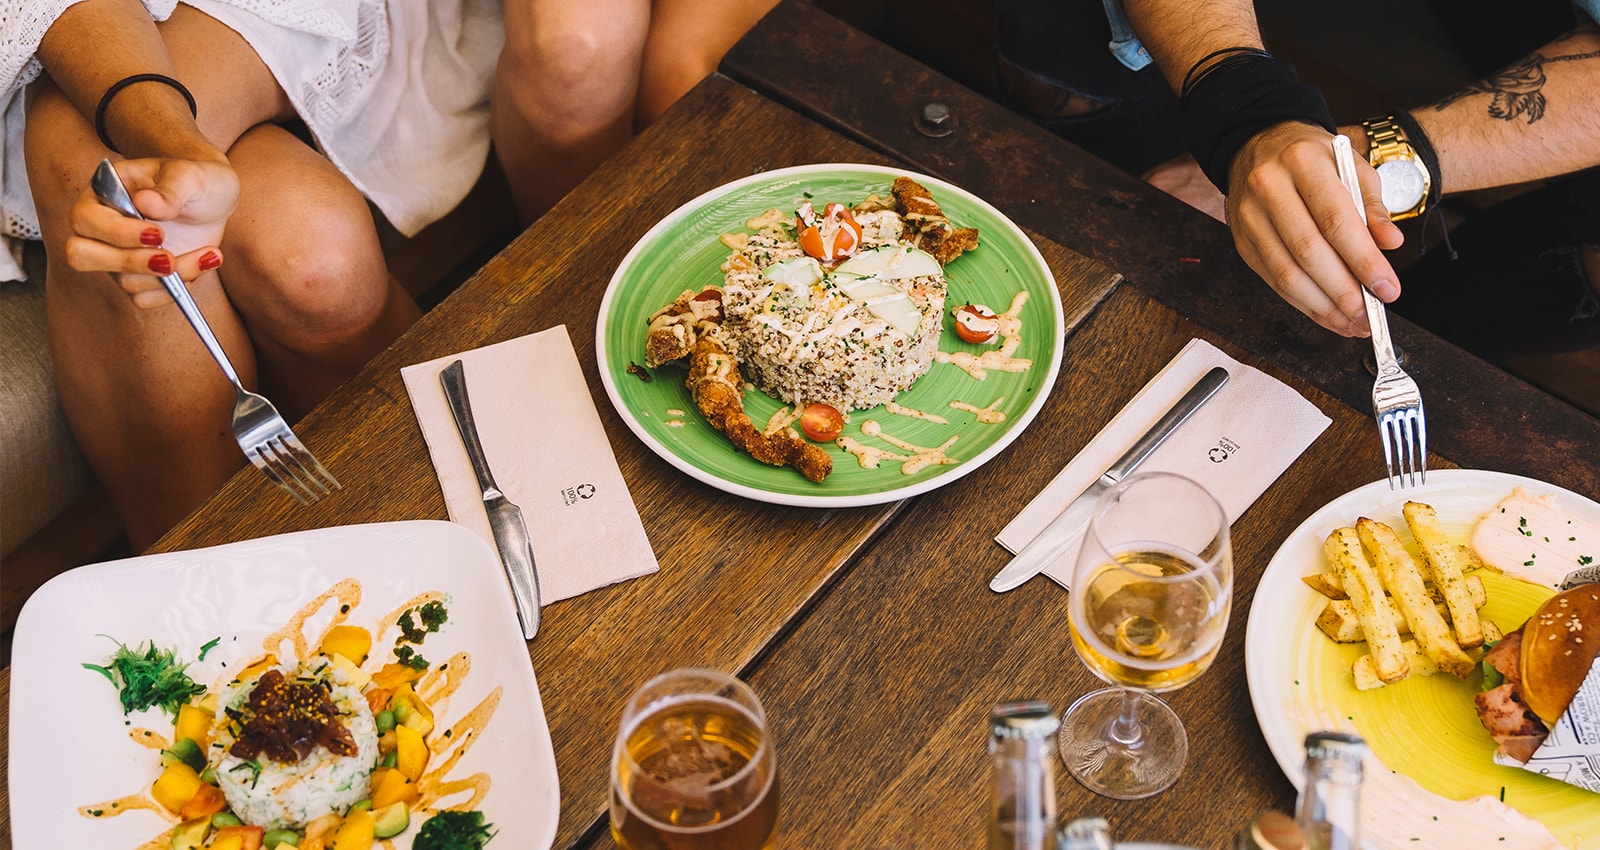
x=1424 y=147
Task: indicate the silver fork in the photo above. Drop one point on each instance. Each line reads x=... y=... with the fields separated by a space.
x=1396 y=400
x=261 y=431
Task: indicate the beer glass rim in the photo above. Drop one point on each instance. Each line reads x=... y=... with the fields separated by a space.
x=634 y=710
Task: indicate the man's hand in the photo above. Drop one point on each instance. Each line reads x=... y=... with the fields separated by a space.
x=186 y=205
x=1294 y=224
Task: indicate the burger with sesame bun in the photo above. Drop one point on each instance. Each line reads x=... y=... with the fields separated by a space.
x=1533 y=673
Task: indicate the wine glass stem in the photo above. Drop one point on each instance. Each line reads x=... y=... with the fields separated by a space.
x=1125 y=730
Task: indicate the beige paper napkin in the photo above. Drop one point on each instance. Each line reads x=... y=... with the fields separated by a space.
x=1235 y=445
x=549 y=454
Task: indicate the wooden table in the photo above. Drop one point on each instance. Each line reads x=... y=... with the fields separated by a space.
x=870 y=632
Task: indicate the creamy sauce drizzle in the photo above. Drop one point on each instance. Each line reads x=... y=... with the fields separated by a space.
x=347 y=591
x=902 y=410
x=987 y=415
x=456 y=742
x=112 y=808
x=673 y=411
x=148 y=738
x=997 y=359
x=920 y=458
x=675 y=423
x=767 y=219
x=781 y=419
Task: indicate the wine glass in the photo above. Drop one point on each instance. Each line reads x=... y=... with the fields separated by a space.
x=694 y=766
x=1151 y=591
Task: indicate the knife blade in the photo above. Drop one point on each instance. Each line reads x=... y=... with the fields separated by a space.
x=505 y=518
x=1068 y=526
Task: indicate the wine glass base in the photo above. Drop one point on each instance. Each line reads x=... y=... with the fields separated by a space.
x=1109 y=767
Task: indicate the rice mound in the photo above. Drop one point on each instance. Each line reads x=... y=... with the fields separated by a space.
x=816 y=344
x=290 y=796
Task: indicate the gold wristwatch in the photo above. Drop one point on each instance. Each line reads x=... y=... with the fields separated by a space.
x=1406 y=180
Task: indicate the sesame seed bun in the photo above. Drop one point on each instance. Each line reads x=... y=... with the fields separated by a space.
x=1559 y=645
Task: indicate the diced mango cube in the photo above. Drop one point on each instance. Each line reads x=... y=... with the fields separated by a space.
x=411 y=752
x=352 y=642
x=175 y=786
x=356 y=833
x=395 y=788
x=194 y=723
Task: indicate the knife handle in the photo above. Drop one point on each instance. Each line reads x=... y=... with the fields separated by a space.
x=1197 y=395
x=454 y=379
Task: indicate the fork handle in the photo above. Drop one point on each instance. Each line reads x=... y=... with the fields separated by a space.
x=1377 y=316
x=191 y=311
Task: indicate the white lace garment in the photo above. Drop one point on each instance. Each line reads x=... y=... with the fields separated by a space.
x=395 y=93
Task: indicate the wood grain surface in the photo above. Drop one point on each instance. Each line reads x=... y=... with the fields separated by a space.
x=735 y=574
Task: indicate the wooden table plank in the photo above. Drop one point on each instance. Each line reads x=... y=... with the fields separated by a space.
x=735 y=574
x=799 y=54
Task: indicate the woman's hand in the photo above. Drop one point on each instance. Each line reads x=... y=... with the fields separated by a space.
x=186 y=204
x=1293 y=223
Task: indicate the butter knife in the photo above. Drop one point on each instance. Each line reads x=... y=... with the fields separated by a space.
x=505 y=518
x=1068 y=526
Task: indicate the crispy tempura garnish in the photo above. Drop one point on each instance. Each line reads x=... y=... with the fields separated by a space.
x=675 y=327
x=934 y=232
x=718 y=391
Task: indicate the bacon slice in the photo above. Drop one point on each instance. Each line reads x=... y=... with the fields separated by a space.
x=718 y=391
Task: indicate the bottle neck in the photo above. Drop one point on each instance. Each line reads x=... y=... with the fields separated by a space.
x=1329 y=811
x=1022 y=810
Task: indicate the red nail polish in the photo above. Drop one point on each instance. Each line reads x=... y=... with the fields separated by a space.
x=151 y=236
x=161 y=264
x=209 y=260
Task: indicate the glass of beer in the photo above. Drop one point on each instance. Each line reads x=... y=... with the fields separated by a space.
x=1151 y=592
x=694 y=766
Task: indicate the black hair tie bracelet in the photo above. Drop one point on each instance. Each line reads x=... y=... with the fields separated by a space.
x=119 y=85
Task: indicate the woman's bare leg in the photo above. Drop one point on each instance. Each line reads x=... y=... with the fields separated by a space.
x=311 y=287
x=687 y=41
x=564 y=92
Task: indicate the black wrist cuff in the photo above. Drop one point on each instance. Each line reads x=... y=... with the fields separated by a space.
x=1239 y=97
x=119 y=85
x=1425 y=152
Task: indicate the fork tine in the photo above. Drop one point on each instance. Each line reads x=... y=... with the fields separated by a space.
x=302 y=473
x=309 y=462
x=1422 y=440
x=1384 y=423
x=285 y=477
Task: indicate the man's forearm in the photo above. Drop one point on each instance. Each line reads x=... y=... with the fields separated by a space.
x=1538 y=118
x=1179 y=33
x=147 y=119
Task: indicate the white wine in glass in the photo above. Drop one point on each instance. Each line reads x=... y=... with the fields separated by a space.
x=1151 y=594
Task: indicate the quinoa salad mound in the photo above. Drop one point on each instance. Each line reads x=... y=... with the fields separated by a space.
x=852 y=334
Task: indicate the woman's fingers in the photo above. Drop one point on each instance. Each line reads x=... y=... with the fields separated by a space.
x=181 y=190
x=138 y=271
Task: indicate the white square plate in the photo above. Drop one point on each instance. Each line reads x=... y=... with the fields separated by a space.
x=70 y=744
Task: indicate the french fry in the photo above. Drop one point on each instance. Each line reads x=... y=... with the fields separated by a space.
x=1374 y=610
x=1400 y=574
x=1338 y=621
x=1447 y=562
x=1328 y=585
x=1365 y=670
x=1491 y=632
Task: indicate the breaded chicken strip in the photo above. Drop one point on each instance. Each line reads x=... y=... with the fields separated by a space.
x=675 y=327
x=933 y=231
x=718 y=391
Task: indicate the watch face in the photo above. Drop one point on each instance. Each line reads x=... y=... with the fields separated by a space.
x=1402 y=185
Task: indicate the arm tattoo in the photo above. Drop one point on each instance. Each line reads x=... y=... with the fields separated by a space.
x=1516 y=91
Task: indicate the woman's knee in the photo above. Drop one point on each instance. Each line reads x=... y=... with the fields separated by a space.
x=569 y=60
x=303 y=259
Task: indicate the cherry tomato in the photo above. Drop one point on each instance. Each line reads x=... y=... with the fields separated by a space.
x=976 y=323
x=710 y=294
x=834 y=236
x=822 y=422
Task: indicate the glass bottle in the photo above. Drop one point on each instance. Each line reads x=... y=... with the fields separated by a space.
x=1329 y=811
x=1022 y=804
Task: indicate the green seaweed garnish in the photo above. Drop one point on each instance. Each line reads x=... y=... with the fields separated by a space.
x=148 y=676
x=454 y=831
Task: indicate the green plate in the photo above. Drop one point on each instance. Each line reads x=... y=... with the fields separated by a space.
x=684 y=251
x=1423 y=728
